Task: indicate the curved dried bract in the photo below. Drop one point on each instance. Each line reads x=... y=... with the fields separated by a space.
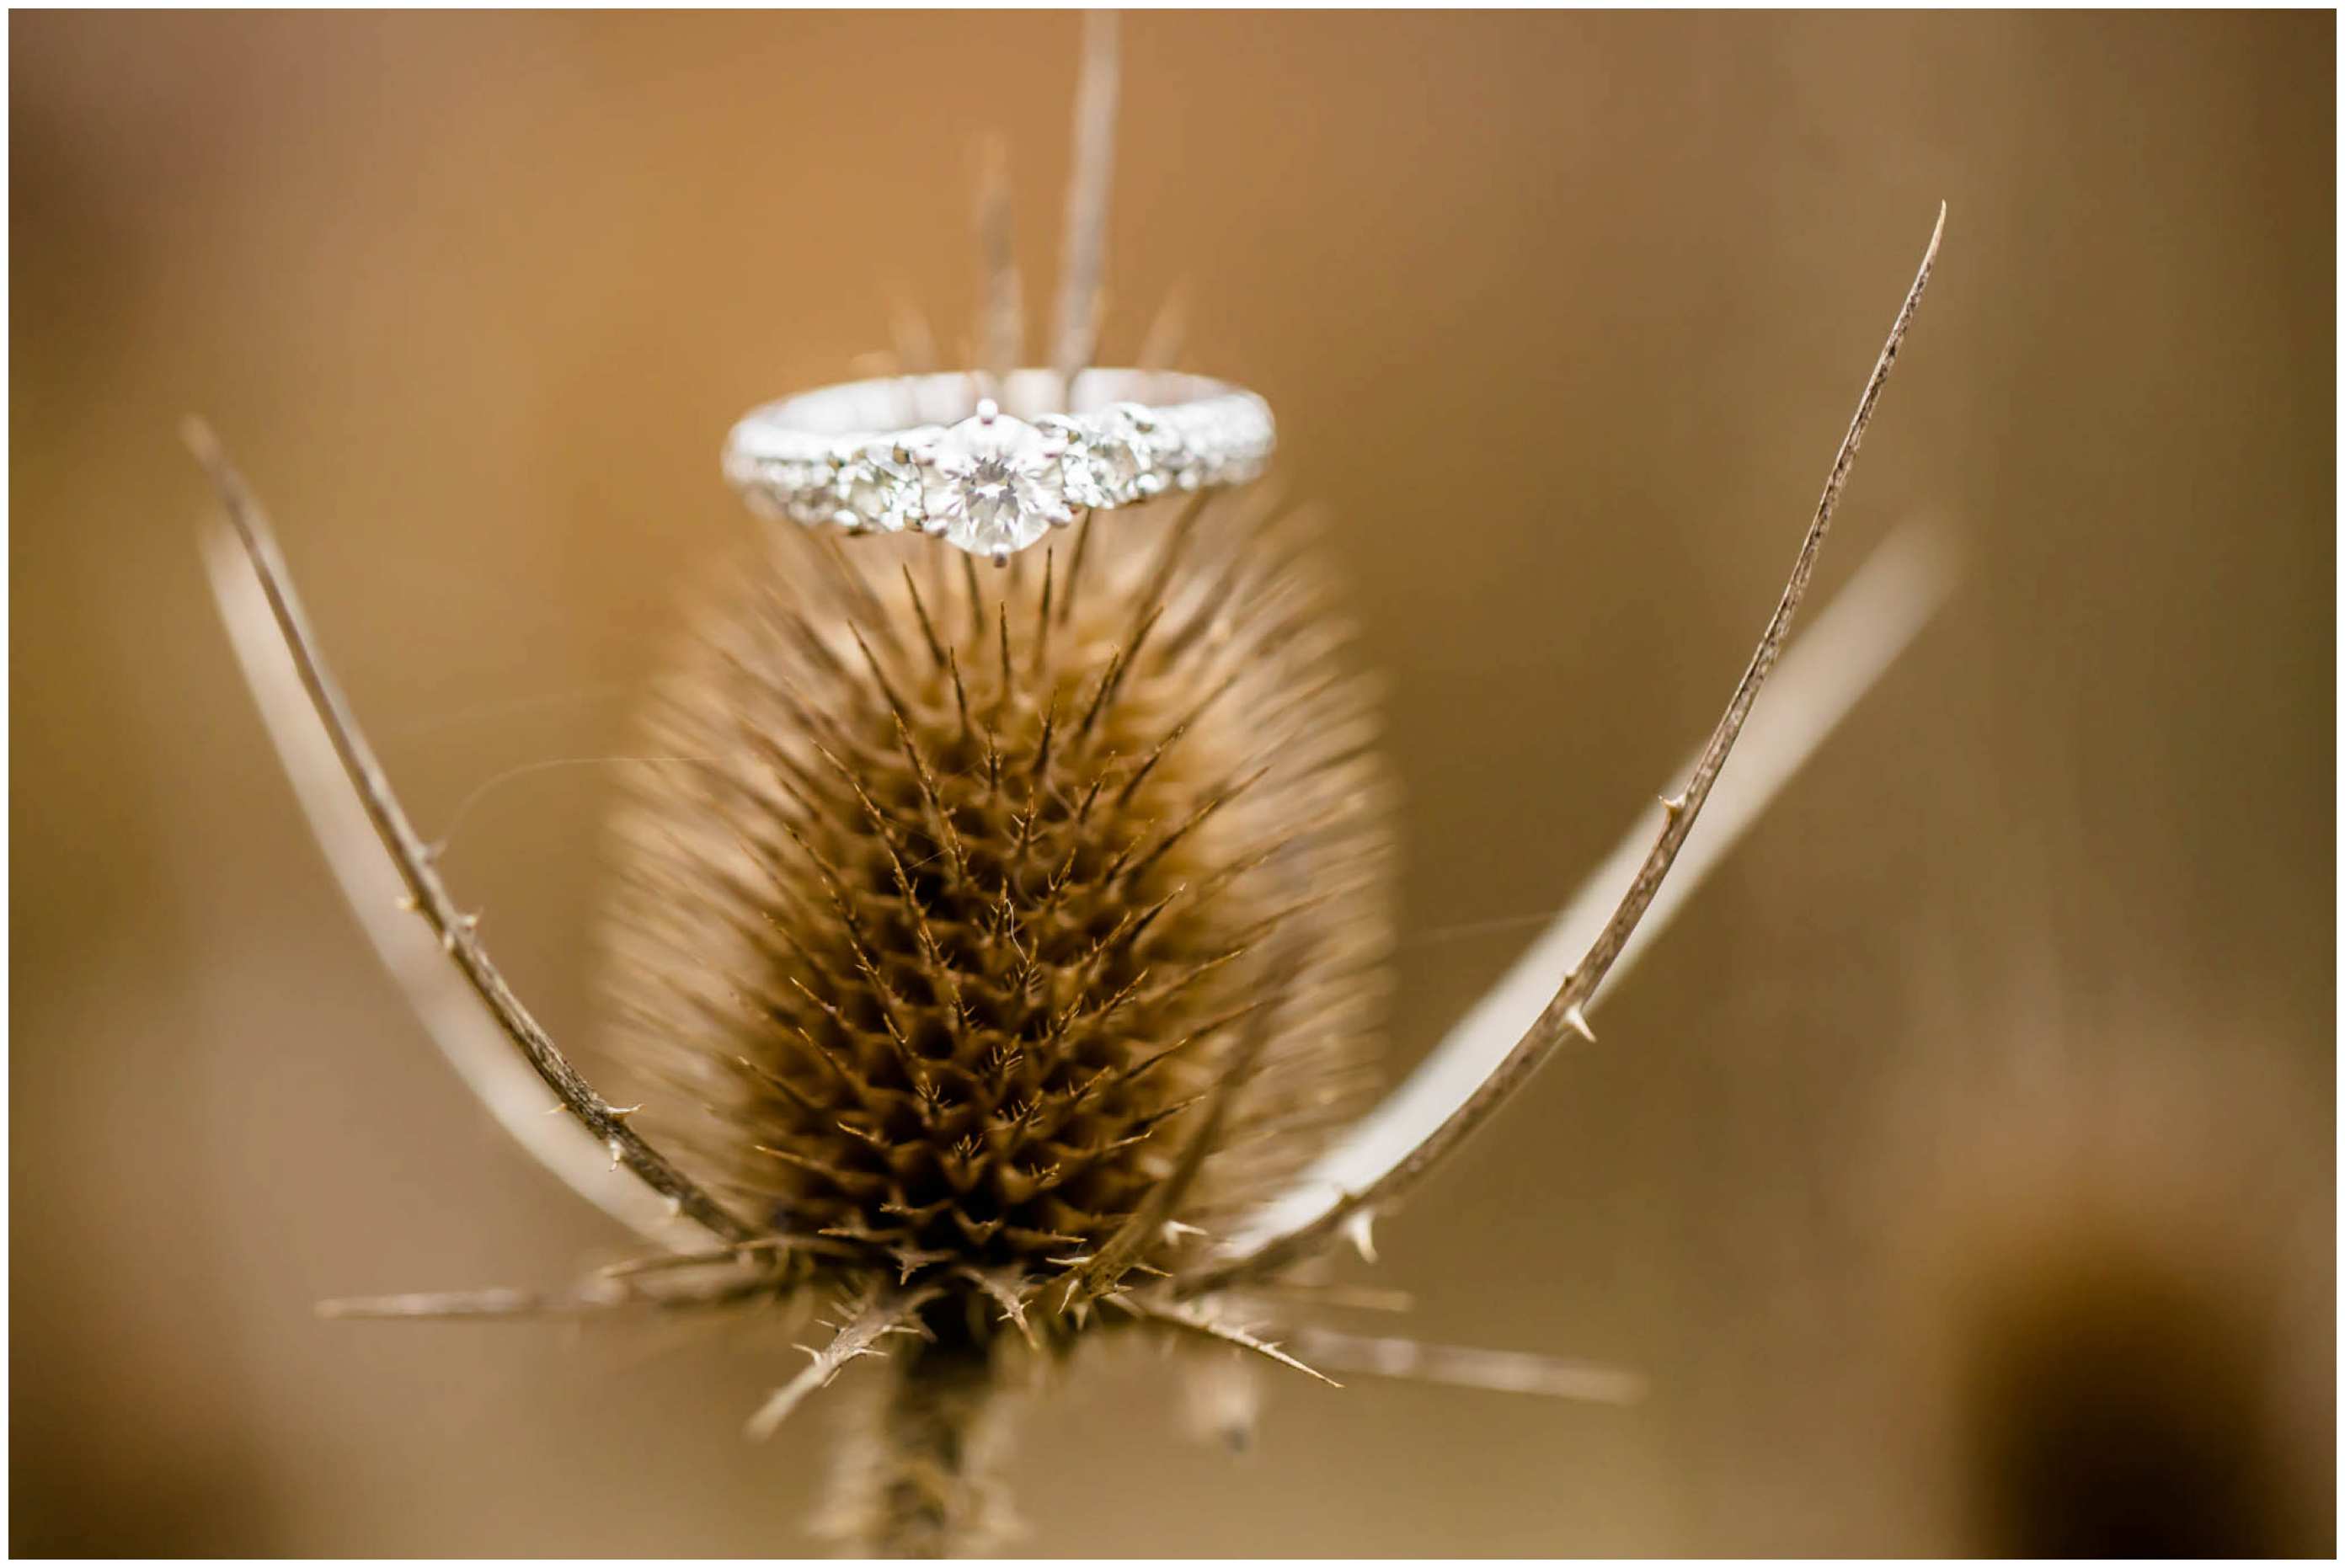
x=1374 y=1169
x=1835 y=662
x=465 y=1020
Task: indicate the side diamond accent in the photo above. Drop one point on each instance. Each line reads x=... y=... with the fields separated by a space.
x=1106 y=463
x=877 y=490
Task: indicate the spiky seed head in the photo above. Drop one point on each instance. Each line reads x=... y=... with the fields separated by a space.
x=980 y=881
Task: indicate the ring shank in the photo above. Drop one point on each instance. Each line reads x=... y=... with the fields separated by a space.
x=810 y=422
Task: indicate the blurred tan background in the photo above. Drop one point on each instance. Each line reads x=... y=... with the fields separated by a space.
x=1960 y=1171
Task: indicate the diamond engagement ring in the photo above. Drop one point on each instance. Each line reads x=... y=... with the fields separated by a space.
x=992 y=463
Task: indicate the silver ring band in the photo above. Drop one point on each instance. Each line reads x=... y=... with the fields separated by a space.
x=992 y=463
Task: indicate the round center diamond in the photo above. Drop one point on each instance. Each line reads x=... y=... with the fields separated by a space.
x=994 y=485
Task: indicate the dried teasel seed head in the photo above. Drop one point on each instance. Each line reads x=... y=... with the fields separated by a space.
x=953 y=943
x=980 y=885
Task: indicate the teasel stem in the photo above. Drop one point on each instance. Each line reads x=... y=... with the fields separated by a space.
x=916 y=1480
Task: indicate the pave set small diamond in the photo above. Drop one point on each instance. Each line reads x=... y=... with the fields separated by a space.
x=991 y=483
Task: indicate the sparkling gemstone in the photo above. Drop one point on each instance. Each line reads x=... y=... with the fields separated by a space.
x=877 y=490
x=994 y=486
x=1173 y=454
x=803 y=489
x=1106 y=466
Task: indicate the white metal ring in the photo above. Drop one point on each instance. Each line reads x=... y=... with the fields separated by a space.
x=992 y=463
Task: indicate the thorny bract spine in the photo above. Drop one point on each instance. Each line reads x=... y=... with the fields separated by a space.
x=716 y=1255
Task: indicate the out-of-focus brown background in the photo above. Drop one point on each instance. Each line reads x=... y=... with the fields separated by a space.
x=1960 y=1171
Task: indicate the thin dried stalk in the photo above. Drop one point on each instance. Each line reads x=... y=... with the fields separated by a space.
x=1160 y=347
x=913 y=343
x=1190 y=1318
x=1001 y=306
x=1075 y=330
x=1502 y=1372
x=599 y=1296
